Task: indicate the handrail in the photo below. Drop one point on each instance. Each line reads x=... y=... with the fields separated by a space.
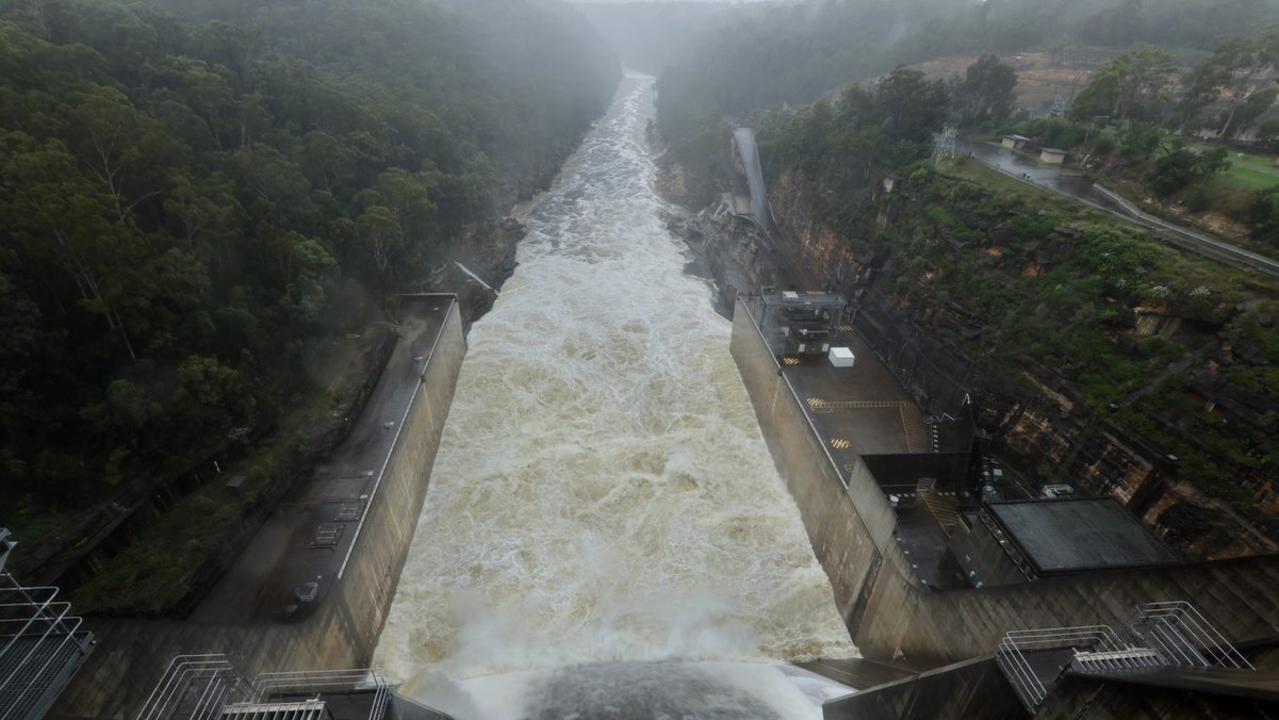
x=181 y=671
x=395 y=441
x=1221 y=250
x=1161 y=635
x=204 y=687
x=40 y=638
x=1182 y=629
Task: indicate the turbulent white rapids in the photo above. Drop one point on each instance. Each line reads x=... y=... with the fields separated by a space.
x=602 y=492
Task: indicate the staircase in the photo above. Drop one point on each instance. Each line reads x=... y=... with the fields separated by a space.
x=1159 y=637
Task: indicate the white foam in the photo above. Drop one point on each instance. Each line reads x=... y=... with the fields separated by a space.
x=602 y=491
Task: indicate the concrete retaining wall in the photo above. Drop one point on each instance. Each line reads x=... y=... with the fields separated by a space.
x=843 y=542
x=891 y=617
x=971 y=690
x=343 y=631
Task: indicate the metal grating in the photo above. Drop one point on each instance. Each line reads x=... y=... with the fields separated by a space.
x=1159 y=635
x=1184 y=636
x=312 y=709
x=41 y=645
x=348 y=512
x=1033 y=659
x=327 y=534
x=212 y=687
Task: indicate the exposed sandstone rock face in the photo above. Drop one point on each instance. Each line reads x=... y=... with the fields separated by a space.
x=1036 y=418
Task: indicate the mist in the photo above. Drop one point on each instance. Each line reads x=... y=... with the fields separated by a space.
x=257 y=257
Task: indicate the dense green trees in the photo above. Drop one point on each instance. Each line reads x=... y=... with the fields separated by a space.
x=1229 y=76
x=189 y=198
x=1132 y=87
x=846 y=147
x=1179 y=167
x=988 y=92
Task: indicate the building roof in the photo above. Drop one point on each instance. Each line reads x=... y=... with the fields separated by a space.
x=1071 y=535
x=1054 y=151
x=1022 y=138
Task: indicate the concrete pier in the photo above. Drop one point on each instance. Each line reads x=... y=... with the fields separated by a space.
x=343 y=629
x=892 y=615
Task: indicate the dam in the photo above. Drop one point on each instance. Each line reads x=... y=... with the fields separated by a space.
x=607 y=501
x=602 y=491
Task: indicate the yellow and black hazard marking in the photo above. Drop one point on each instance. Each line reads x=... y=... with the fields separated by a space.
x=817 y=404
x=790 y=361
x=846 y=328
x=840 y=443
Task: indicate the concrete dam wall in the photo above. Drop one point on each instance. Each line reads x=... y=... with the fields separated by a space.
x=342 y=632
x=892 y=616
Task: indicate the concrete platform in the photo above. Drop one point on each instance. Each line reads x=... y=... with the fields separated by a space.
x=863 y=405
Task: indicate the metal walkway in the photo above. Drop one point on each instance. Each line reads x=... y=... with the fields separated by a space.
x=1163 y=643
x=41 y=644
x=212 y=687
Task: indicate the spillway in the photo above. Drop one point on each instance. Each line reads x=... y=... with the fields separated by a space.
x=603 y=497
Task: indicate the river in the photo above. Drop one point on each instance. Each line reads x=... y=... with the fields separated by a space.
x=603 y=497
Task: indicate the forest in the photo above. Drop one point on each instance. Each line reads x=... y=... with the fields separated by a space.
x=1142 y=120
x=195 y=192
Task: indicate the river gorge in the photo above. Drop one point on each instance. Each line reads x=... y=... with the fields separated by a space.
x=603 y=494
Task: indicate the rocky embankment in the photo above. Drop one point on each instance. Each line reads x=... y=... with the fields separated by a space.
x=1038 y=421
x=487 y=250
x=728 y=251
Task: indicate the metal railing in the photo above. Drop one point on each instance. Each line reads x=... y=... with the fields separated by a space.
x=210 y=686
x=1158 y=635
x=1184 y=636
x=1032 y=683
x=41 y=645
x=268 y=685
x=195 y=687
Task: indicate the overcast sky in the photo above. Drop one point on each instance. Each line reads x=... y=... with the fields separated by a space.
x=596 y=2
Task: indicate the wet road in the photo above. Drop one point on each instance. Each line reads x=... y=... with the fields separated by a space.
x=1075 y=185
x=1051 y=177
x=262 y=585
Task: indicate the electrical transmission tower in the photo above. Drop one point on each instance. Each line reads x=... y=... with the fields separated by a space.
x=1059 y=107
x=944 y=144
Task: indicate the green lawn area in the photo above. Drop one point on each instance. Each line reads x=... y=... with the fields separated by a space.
x=1254 y=172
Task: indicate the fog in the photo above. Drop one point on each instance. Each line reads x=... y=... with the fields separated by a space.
x=211 y=212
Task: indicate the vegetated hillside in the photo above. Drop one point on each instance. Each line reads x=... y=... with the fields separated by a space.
x=1098 y=353
x=798 y=53
x=1140 y=120
x=193 y=197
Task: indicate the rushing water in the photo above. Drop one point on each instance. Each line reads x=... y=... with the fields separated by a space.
x=602 y=491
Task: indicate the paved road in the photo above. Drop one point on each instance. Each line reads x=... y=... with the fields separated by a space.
x=1078 y=187
x=261 y=585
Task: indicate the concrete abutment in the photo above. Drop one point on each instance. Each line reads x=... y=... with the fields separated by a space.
x=343 y=631
x=893 y=617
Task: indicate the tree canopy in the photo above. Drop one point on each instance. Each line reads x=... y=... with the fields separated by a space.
x=192 y=193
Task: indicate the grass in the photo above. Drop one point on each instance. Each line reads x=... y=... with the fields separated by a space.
x=1252 y=172
x=1172 y=263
